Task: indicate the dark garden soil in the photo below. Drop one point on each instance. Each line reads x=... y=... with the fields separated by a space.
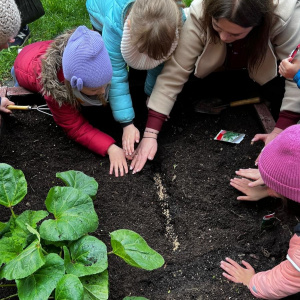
x=181 y=203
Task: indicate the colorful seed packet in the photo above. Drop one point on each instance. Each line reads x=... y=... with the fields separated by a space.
x=229 y=136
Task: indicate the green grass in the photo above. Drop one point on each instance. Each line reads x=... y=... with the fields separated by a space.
x=59 y=16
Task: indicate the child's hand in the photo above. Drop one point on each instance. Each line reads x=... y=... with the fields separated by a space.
x=252 y=174
x=131 y=135
x=252 y=193
x=236 y=273
x=117 y=160
x=4 y=103
x=289 y=69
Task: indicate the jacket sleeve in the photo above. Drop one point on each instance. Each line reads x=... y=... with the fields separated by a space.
x=284 y=42
x=297 y=79
x=281 y=281
x=119 y=95
x=78 y=128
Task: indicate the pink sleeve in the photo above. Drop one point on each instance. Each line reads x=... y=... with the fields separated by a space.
x=281 y=281
x=78 y=128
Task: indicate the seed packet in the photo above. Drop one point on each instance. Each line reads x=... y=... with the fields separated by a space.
x=229 y=136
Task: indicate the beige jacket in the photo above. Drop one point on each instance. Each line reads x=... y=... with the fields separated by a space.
x=195 y=51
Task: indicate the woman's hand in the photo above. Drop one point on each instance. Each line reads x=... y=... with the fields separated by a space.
x=131 y=135
x=118 y=161
x=252 y=193
x=236 y=273
x=146 y=150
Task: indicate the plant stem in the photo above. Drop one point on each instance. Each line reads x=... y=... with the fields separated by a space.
x=14 y=216
x=15 y=295
x=111 y=252
x=7 y=285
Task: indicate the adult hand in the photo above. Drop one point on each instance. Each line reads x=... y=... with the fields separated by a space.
x=266 y=138
x=130 y=136
x=146 y=150
x=252 y=174
x=236 y=273
x=4 y=103
x=252 y=193
x=118 y=161
x=289 y=69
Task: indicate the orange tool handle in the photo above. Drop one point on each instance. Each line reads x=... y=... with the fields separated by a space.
x=22 y=107
x=245 y=101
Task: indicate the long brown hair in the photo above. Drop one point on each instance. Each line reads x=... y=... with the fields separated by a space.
x=245 y=13
x=153 y=25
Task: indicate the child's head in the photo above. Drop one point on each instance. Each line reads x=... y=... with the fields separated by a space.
x=152 y=30
x=279 y=163
x=86 y=64
x=10 y=22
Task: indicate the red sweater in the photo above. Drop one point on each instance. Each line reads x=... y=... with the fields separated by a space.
x=28 y=69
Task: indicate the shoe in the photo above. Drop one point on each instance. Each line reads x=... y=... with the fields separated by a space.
x=22 y=37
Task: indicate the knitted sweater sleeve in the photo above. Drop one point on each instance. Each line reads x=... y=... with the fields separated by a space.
x=281 y=281
x=78 y=128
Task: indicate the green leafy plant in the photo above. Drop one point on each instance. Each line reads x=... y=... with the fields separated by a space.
x=50 y=253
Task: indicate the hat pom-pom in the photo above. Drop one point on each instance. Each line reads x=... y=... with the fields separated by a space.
x=76 y=83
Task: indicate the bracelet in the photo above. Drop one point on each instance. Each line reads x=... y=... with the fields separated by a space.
x=151 y=132
x=149 y=137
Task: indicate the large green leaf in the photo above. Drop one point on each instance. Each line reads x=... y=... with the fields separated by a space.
x=74 y=215
x=87 y=256
x=135 y=298
x=69 y=288
x=9 y=249
x=26 y=263
x=41 y=283
x=20 y=232
x=134 y=250
x=96 y=286
x=80 y=181
x=13 y=185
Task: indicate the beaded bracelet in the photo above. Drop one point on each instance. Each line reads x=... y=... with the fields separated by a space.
x=151 y=132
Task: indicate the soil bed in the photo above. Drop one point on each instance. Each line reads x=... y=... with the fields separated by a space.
x=181 y=203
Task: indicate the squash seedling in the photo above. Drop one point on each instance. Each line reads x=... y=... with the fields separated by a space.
x=49 y=253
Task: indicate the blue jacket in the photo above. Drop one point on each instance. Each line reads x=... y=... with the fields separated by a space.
x=108 y=17
x=297 y=79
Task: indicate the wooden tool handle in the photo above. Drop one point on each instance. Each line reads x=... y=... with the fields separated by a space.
x=245 y=101
x=22 y=107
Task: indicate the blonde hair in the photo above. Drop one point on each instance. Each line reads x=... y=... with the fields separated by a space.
x=153 y=25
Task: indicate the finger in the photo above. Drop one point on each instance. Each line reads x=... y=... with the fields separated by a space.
x=116 y=171
x=140 y=164
x=247 y=265
x=133 y=162
x=121 y=169
x=125 y=166
x=124 y=146
x=243 y=198
x=137 y=137
x=231 y=278
x=111 y=169
x=131 y=148
x=233 y=262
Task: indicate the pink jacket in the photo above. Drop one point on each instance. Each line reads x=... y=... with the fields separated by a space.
x=284 y=279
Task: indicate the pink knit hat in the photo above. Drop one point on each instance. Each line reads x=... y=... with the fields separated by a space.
x=279 y=163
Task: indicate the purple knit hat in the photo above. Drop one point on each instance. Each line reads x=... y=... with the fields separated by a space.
x=279 y=163
x=85 y=60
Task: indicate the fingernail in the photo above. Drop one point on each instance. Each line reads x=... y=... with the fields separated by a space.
x=256 y=163
x=130 y=168
x=252 y=142
x=133 y=172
